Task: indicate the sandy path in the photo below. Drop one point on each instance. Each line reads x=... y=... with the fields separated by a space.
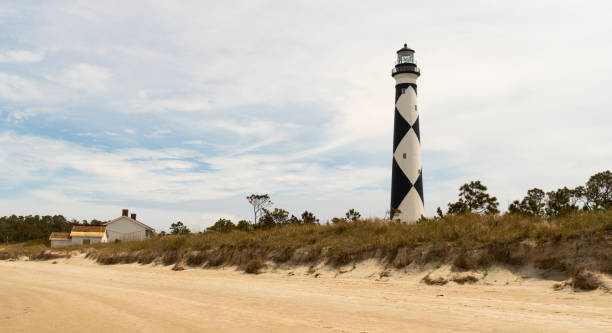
x=78 y=295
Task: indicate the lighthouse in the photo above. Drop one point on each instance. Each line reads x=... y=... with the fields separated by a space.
x=407 y=202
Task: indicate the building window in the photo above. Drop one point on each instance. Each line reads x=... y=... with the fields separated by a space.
x=404 y=155
x=415 y=108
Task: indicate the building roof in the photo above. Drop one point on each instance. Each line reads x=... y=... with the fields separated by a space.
x=59 y=236
x=88 y=231
x=132 y=220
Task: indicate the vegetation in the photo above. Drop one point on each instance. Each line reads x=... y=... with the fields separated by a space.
x=179 y=228
x=243 y=225
x=352 y=215
x=466 y=241
x=575 y=244
x=596 y=194
x=33 y=227
x=473 y=198
x=254 y=266
x=222 y=225
x=308 y=218
x=567 y=230
x=259 y=202
x=534 y=204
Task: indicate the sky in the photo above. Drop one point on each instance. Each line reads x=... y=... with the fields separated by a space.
x=178 y=110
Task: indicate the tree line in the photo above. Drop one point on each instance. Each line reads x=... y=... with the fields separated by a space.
x=595 y=194
x=473 y=199
x=265 y=218
x=24 y=228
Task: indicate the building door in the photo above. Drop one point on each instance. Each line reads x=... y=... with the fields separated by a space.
x=86 y=241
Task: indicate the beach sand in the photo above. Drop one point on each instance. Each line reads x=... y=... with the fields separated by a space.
x=79 y=295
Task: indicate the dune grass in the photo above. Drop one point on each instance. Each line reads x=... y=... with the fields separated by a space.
x=466 y=241
x=571 y=243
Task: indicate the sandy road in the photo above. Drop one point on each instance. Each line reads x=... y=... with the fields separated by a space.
x=77 y=295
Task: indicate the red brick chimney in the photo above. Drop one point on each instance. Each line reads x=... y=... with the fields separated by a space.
x=133 y=216
x=124 y=212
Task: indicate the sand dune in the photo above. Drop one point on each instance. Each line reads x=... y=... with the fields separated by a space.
x=77 y=295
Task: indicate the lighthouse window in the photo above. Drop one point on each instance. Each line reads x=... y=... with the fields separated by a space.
x=405 y=59
x=404 y=155
x=415 y=108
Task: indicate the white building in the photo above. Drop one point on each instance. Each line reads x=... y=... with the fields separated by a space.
x=87 y=234
x=123 y=228
x=59 y=239
x=126 y=228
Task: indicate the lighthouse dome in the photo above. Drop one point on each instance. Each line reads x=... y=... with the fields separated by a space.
x=405 y=62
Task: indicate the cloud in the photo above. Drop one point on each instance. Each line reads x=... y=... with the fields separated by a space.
x=16 y=88
x=20 y=56
x=171 y=175
x=86 y=77
x=187 y=113
x=194 y=142
x=145 y=103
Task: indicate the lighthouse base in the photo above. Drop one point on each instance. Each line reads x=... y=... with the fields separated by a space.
x=411 y=209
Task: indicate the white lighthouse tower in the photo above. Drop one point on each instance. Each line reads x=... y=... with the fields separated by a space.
x=407 y=202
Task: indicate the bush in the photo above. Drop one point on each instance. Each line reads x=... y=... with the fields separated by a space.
x=533 y=204
x=139 y=246
x=146 y=257
x=598 y=191
x=222 y=225
x=440 y=281
x=254 y=266
x=473 y=198
x=469 y=279
x=170 y=257
x=179 y=228
x=175 y=243
x=195 y=258
x=585 y=280
x=47 y=255
x=243 y=225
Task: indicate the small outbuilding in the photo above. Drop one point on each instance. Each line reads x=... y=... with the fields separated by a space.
x=87 y=234
x=59 y=239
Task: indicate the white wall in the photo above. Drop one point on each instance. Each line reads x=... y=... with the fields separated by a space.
x=125 y=229
x=78 y=240
x=60 y=243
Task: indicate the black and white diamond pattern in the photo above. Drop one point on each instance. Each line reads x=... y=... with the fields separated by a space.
x=407 y=182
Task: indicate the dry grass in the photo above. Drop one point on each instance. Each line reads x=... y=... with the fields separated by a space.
x=582 y=280
x=254 y=266
x=466 y=242
x=469 y=279
x=48 y=255
x=585 y=280
x=33 y=251
x=440 y=281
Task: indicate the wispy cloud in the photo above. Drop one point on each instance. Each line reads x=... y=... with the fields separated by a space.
x=85 y=77
x=16 y=88
x=21 y=56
